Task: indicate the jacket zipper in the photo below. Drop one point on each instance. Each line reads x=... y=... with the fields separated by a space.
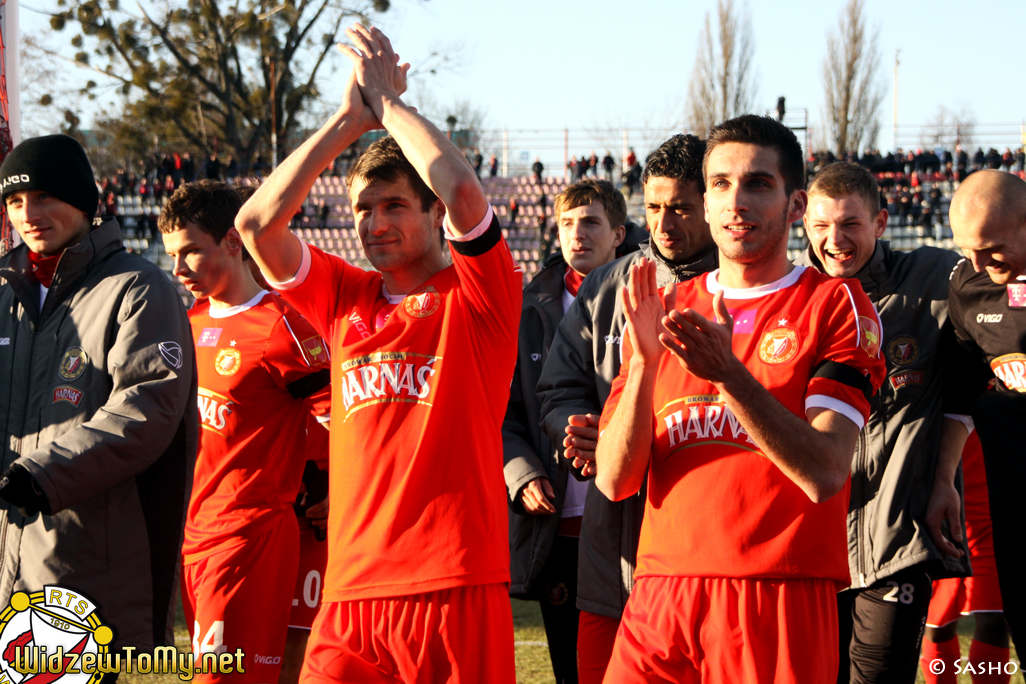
x=860 y=451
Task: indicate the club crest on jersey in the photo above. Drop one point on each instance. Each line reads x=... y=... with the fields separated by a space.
x=779 y=345
x=53 y=636
x=74 y=363
x=903 y=350
x=870 y=338
x=384 y=377
x=422 y=302
x=214 y=409
x=1011 y=370
x=227 y=361
x=67 y=393
x=907 y=378
x=704 y=419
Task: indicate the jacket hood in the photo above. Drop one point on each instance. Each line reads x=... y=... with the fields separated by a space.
x=667 y=270
x=74 y=263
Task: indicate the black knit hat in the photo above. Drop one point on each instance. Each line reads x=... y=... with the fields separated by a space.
x=56 y=164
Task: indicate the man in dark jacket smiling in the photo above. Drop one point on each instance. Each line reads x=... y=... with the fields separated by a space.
x=545 y=504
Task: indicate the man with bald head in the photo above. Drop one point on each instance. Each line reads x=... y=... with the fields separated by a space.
x=987 y=304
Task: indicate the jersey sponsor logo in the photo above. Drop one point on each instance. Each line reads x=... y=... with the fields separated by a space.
x=227 y=361
x=385 y=377
x=74 y=363
x=744 y=320
x=1017 y=295
x=172 y=353
x=1011 y=370
x=315 y=350
x=704 y=419
x=214 y=409
x=903 y=350
x=422 y=302
x=361 y=328
x=54 y=635
x=907 y=378
x=870 y=340
x=209 y=337
x=67 y=393
x=989 y=318
x=779 y=345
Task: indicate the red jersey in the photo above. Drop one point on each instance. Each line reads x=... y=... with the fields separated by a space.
x=717 y=507
x=262 y=369
x=417 y=493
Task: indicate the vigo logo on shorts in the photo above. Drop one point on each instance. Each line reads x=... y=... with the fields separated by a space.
x=1011 y=370
x=384 y=377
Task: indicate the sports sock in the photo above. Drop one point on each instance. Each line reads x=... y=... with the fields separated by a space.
x=989 y=663
x=947 y=652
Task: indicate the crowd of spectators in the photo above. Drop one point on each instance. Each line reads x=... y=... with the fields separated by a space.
x=938 y=164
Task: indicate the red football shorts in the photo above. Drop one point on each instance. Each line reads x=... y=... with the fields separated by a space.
x=689 y=630
x=462 y=635
x=595 y=637
x=239 y=599
x=313 y=558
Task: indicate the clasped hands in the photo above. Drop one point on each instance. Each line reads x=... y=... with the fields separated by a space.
x=377 y=75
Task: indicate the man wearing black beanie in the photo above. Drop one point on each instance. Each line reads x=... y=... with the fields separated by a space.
x=100 y=415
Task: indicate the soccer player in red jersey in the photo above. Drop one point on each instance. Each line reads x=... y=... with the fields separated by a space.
x=422 y=358
x=745 y=431
x=262 y=369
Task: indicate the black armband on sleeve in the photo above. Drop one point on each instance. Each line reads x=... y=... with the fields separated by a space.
x=844 y=374
x=308 y=384
x=479 y=245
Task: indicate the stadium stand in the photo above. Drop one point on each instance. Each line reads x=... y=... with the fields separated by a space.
x=334 y=230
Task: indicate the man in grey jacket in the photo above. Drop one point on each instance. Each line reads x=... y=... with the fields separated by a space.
x=903 y=481
x=582 y=362
x=99 y=408
x=545 y=504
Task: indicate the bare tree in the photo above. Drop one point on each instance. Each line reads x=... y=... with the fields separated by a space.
x=947 y=128
x=851 y=80
x=721 y=82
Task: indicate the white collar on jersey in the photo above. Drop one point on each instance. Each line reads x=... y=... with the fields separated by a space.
x=713 y=285
x=232 y=310
x=392 y=299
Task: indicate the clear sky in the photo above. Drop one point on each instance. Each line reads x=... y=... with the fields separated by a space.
x=603 y=65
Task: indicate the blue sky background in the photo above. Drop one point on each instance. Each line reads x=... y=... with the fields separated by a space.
x=587 y=66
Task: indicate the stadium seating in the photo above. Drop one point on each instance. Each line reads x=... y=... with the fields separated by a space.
x=337 y=232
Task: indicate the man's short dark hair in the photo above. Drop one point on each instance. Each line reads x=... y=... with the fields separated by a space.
x=210 y=204
x=384 y=160
x=765 y=132
x=679 y=158
x=844 y=178
x=587 y=191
